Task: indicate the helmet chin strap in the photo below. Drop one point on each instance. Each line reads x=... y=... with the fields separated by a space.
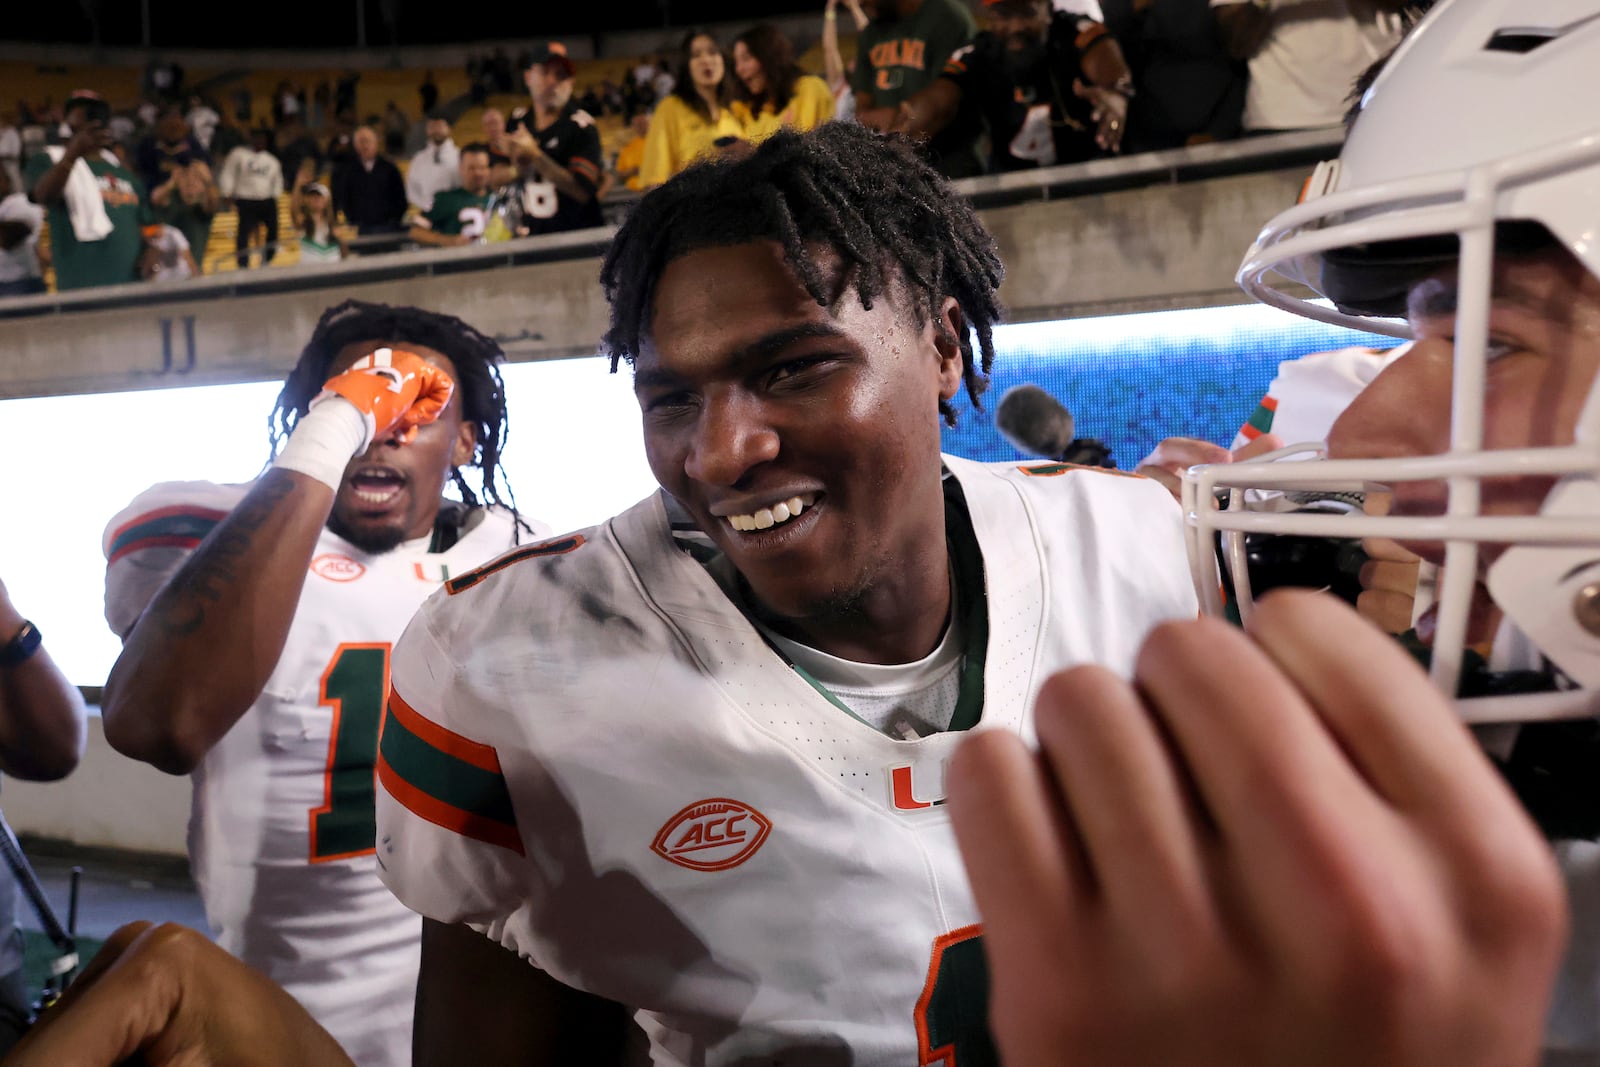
x=1552 y=593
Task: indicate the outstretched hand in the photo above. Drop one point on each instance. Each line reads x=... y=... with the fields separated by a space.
x=1110 y=114
x=1280 y=847
x=1175 y=455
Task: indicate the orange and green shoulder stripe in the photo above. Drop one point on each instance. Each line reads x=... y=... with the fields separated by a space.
x=445 y=778
x=1055 y=469
x=1260 y=420
x=558 y=546
x=181 y=526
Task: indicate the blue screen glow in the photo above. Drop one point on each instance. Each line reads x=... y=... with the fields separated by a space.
x=1132 y=380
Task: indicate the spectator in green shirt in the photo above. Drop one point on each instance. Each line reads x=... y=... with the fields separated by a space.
x=88 y=252
x=903 y=50
x=457 y=216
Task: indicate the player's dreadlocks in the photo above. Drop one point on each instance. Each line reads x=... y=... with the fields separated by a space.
x=884 y=212
x=476 y=358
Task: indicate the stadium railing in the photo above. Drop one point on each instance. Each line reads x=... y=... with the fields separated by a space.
x=1148 y=233
x=1047 y=184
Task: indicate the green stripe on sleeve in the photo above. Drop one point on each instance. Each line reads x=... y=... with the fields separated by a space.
x=445 y=778
x=195 y=526
x=1260 y=419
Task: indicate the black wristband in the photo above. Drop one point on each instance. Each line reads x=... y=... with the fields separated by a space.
x=21 y=647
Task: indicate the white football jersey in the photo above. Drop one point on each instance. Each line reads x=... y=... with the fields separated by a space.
x=281 y=827
x=1311 y=392
x=592 y=756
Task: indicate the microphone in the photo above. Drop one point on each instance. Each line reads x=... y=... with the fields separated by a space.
x=1034 y=421
x=1037 y=423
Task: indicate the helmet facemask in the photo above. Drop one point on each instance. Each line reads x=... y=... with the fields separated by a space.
x=1429 y=182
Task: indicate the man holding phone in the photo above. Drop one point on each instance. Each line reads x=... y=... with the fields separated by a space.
x=94 y=204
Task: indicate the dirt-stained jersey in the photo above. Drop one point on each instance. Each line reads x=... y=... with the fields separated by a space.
x=592 y=756
x=281 y=827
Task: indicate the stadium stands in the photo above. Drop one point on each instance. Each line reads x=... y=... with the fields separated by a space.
x=375 y=87
x=1148 y=232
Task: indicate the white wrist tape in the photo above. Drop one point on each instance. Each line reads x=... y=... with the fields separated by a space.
x=325 y=439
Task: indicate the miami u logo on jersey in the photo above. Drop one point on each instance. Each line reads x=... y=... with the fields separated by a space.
x=431 y=572
x=903 y=791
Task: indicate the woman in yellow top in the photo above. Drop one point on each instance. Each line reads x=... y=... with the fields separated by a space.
x=772 y=90
x=695 y=119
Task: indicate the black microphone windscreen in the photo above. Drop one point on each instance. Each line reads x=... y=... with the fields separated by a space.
x=1034 y=421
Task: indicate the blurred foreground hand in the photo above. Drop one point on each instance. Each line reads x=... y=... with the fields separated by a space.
x=170 y=996
x=1274 y=848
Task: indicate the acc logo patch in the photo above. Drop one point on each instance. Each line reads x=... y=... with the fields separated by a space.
x=337 y=568
x=712 y=835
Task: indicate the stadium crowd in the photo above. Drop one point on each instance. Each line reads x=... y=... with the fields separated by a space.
x=309 y=180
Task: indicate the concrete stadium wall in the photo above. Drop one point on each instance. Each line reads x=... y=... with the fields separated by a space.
x=539 y=311
x=110 y=801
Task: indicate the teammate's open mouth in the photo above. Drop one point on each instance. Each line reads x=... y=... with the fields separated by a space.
x=376 y=487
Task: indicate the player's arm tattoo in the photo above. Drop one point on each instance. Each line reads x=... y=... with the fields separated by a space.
x=208 y=576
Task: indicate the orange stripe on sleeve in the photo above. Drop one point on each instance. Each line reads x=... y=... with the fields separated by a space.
x=162 y=513
x=445 y=815
x=447 y=741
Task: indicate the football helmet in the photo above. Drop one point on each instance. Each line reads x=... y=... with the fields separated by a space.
x=1479 y=133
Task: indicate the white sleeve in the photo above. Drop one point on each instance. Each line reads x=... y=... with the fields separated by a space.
x=149 y=540
x=414 y=192
x=1309 y=394
x=452 y=848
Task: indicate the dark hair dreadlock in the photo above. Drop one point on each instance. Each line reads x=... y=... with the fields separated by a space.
x=888 y=215
x=476 y=358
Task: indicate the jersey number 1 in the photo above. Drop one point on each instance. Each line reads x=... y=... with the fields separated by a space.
x=355 y=686
x=953 y=1011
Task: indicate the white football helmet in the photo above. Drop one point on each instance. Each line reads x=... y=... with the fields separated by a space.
x=1481 y=125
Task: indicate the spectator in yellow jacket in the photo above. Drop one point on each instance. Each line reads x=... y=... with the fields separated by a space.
x=695 y=119
x=770 y=90
x=631 y=159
